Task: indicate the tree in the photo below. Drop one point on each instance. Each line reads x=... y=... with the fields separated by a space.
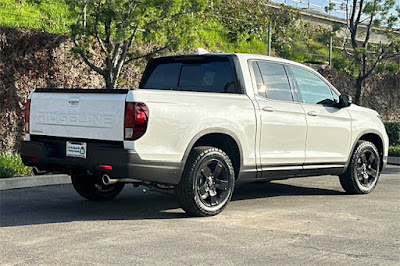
x=248 y=19
x=120 y=27
x=241 y=18
x=372 y=15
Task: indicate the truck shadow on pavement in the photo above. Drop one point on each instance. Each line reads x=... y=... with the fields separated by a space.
x=59 y=204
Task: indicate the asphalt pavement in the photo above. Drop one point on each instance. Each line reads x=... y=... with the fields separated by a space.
x=302 y=221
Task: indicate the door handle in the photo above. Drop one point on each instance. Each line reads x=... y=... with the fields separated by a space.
x=312 y=113
x=268 y=109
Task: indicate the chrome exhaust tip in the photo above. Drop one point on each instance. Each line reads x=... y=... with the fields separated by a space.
x=107 y=180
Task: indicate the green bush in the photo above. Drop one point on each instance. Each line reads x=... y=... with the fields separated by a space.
x=11 y=165
x=393 y=131
x=394 y=151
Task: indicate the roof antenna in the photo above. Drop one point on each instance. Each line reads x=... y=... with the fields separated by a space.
x=201 y=51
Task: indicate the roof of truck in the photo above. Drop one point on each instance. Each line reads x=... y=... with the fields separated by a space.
x=241 y=56
x=265 y=57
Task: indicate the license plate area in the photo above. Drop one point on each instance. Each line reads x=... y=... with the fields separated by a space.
x=76 y=149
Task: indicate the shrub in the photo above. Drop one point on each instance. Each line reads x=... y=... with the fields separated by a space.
x=393 y=131
x=11 y=165
x=394 y=151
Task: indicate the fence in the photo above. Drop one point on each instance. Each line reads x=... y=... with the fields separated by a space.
x=334 y=8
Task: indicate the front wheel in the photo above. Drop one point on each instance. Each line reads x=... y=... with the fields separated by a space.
x=208 y=181
x=95 y=190
x=363 y=172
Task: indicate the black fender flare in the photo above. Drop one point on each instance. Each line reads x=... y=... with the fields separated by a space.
x=369 y=131
x=213 y=130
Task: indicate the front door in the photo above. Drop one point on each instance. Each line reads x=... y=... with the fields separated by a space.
x=329 y=127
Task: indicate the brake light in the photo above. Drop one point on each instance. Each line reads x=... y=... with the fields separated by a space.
x=136 y=119
x=105 y=167
x=27 y=112
x=33 y=159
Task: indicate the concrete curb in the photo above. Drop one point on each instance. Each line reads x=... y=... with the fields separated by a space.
x=394 y=160
x=33 y=181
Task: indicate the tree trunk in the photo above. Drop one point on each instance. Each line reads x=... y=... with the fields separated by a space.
x=109 y=82
x=359 y=82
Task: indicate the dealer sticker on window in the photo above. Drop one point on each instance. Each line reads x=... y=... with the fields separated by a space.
x=76 y=149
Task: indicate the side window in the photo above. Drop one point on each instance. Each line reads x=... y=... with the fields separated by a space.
x=335 y=96
x=312 y=88
x=272 y=81
x=259 y=80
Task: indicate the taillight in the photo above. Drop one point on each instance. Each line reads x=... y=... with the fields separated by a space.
x=27 y=111
x=136 y=119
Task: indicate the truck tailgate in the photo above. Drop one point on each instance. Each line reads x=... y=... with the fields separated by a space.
x=89 y=115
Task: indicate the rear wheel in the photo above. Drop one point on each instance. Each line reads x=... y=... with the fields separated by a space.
x=363 y=171
x=95 y=190
x=207 y=183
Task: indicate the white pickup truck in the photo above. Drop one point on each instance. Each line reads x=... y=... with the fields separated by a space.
x=198 y=124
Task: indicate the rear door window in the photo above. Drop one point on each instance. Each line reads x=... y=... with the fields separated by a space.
x=200 y=74
x=272 y=81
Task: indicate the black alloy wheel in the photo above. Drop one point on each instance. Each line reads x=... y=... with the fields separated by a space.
x=207 y=183
x=212 y=182
x=363 y=171
x=367 y=169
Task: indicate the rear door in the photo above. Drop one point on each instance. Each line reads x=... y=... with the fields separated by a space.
x=329 y=127
x=89 y=114
x=283 y=122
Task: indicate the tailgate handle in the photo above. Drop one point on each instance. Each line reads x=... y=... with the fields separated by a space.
x=73 y=101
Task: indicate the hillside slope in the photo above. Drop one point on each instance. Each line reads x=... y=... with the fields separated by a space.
x=31 y=59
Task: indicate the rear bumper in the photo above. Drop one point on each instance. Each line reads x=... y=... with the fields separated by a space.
x=50 y=155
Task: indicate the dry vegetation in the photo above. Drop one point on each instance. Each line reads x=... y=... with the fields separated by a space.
x=32 y=59
x=382 y=93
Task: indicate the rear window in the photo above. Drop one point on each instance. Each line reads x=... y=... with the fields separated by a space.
x=203 y=74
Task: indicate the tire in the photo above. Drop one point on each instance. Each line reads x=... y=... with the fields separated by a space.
x=207 y=183
x=95 y=190
x=363 y=172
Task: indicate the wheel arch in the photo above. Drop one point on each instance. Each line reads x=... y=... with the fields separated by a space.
x=373 y=137
x=221 y=138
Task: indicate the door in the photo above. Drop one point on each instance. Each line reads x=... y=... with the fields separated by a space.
x=329 y=127
x=283 y=123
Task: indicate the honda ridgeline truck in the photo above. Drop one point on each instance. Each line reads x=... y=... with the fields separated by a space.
x=200 y=123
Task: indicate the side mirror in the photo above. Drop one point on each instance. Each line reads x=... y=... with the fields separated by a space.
x=344 y=101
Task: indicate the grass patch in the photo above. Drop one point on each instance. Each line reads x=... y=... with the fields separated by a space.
x=394 y=151
x=51 y=16
x=11 y=165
